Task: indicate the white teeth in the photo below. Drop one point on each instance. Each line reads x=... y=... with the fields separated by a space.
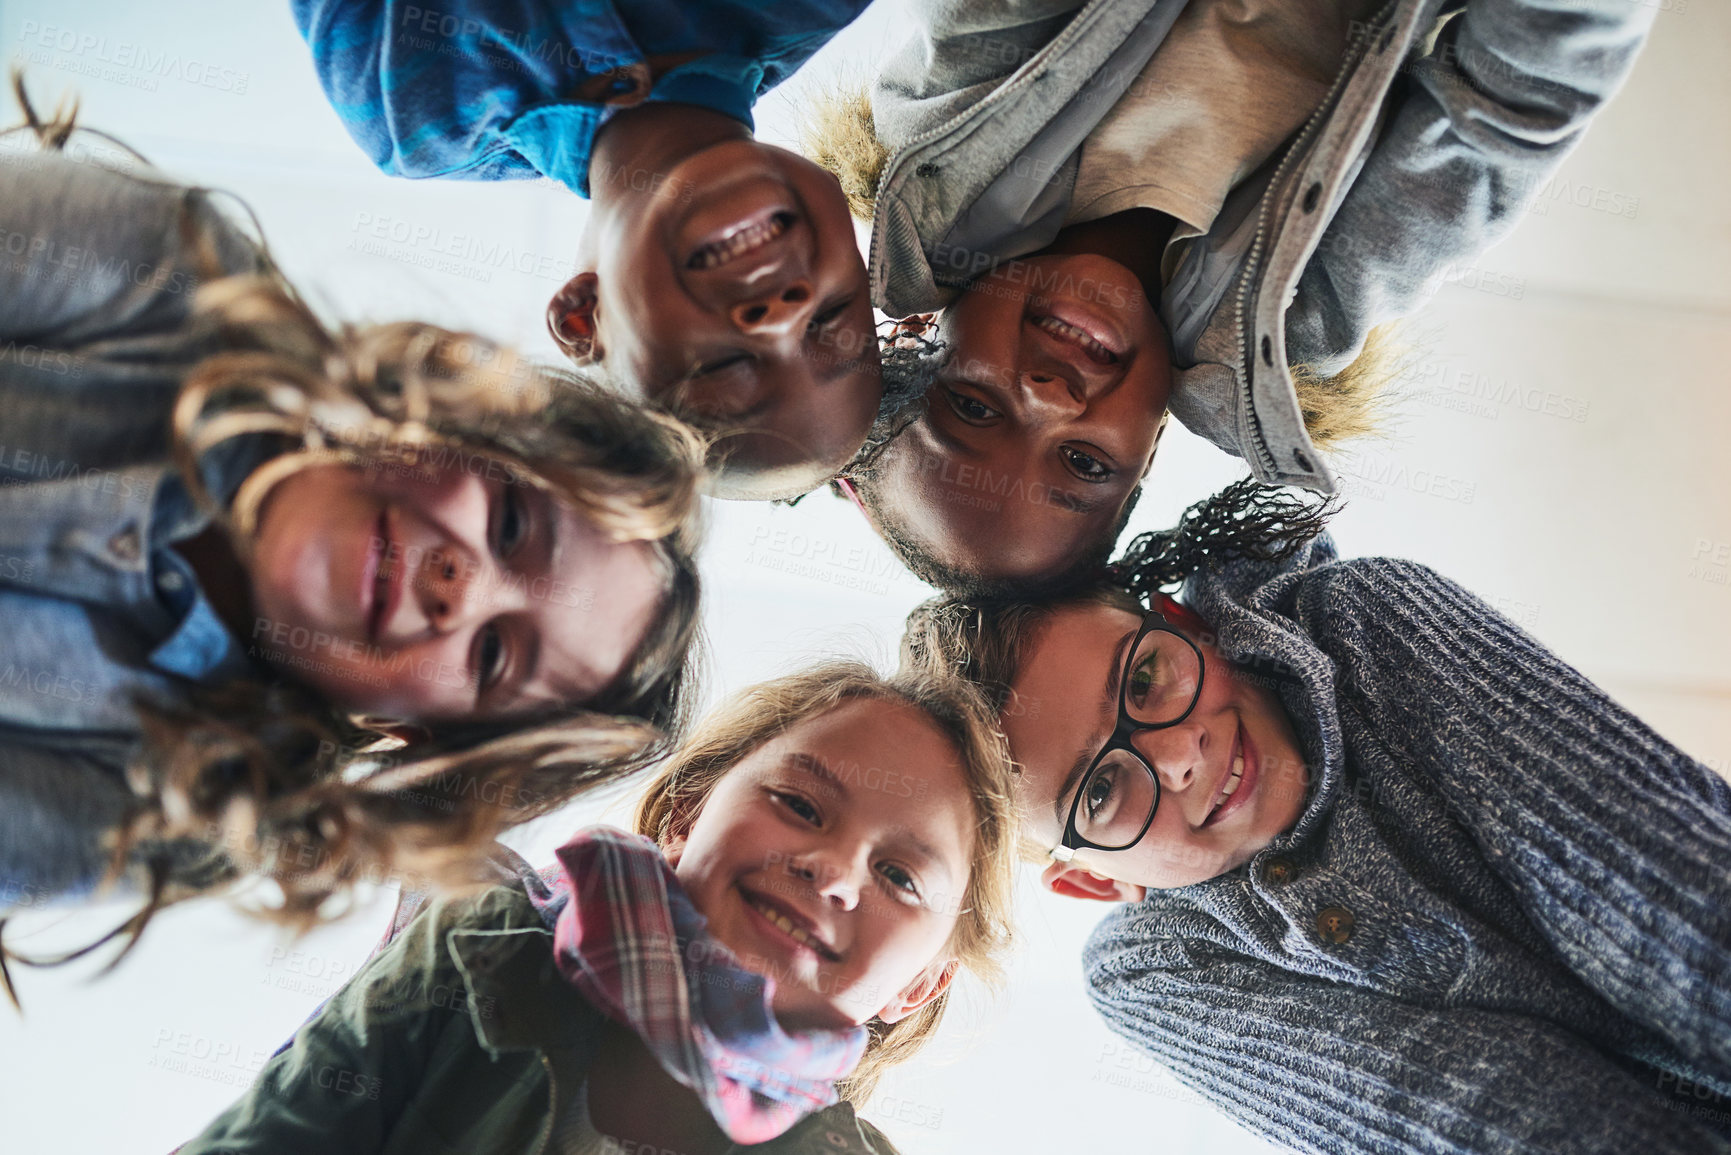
x=1235 y=779
x=786 y=924
x=1069 y=332
x=739 y=242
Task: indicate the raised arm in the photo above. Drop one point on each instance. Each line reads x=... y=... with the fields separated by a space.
x=1615 y=842
x=1334 y=1069
x=435 y=90
x=1506 y=93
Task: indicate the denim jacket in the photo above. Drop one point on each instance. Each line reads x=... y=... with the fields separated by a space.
x=1423 y=154
x=459 y=1038
x=514 y=89
x=97 y=274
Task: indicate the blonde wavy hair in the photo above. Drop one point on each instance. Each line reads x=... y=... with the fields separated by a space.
x=838 y=132
x=268 y=778
x=729 y=735
x=302 y=782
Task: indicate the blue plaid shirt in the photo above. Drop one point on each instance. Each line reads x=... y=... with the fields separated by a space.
x=513 y=89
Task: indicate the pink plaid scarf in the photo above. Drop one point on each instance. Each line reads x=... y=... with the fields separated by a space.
x=627 y=936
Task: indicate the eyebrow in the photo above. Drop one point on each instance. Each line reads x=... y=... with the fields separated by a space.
x=1108 y=701
x=816 y=767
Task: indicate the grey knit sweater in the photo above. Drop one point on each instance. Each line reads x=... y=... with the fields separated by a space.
x=1501 y=924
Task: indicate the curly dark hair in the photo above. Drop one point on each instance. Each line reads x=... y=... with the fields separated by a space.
x=985 y=640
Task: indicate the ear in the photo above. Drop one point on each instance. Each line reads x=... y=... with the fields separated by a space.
x=1181 y=614
x=932 y=982
x=571 y=318
x=1072 y=881
x=1154 y=450
x=673 y=849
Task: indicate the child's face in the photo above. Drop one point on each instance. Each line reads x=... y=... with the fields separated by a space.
x=1041 y=422
x=833 y=859
x=428 y=594
x=731 y=290
x=1061 y=715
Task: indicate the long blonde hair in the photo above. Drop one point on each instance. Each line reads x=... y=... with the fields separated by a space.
x=269 y=778
x=306 y=781
x=729 y=734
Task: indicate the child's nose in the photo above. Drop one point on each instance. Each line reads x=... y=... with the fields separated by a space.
x=783 y=309
x=449 y=587
x=832 y=874
x=1052 y=394
x=1175 y=753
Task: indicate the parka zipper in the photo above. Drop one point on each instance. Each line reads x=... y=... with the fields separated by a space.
x=1002 y=92
x=1252 y=274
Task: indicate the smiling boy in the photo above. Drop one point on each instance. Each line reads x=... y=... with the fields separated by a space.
x=717 y=277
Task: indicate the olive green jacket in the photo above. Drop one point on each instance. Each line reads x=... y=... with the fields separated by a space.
x=460 y=1037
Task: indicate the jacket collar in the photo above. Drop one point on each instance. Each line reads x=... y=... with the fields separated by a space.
x=518 y=1001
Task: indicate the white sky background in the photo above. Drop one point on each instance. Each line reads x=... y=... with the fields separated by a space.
x=1609 y=537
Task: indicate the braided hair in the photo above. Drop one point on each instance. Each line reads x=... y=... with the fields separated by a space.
x=1246 y=521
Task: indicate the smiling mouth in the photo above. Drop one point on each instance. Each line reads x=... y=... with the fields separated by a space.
x=1080 y=338
x=1229 y=787
x=747 y=238
x=385 y=589
x=798 y=932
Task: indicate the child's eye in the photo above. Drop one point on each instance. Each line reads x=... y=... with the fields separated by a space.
x=512 y=523
x=971 y=410
x=899 y=879
x=829 y=315
x=709 y=368
x=804 y=809
x=1143 y=679
x=1099 y=791
x=1084 y=465
x=489 y=656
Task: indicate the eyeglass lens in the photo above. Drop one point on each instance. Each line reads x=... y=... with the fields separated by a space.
x=1120 y=793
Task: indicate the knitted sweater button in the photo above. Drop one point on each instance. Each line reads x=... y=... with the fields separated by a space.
x=1279 y=871
x=1334 y=924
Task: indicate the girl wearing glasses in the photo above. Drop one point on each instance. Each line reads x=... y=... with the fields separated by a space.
x=1396 y=878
